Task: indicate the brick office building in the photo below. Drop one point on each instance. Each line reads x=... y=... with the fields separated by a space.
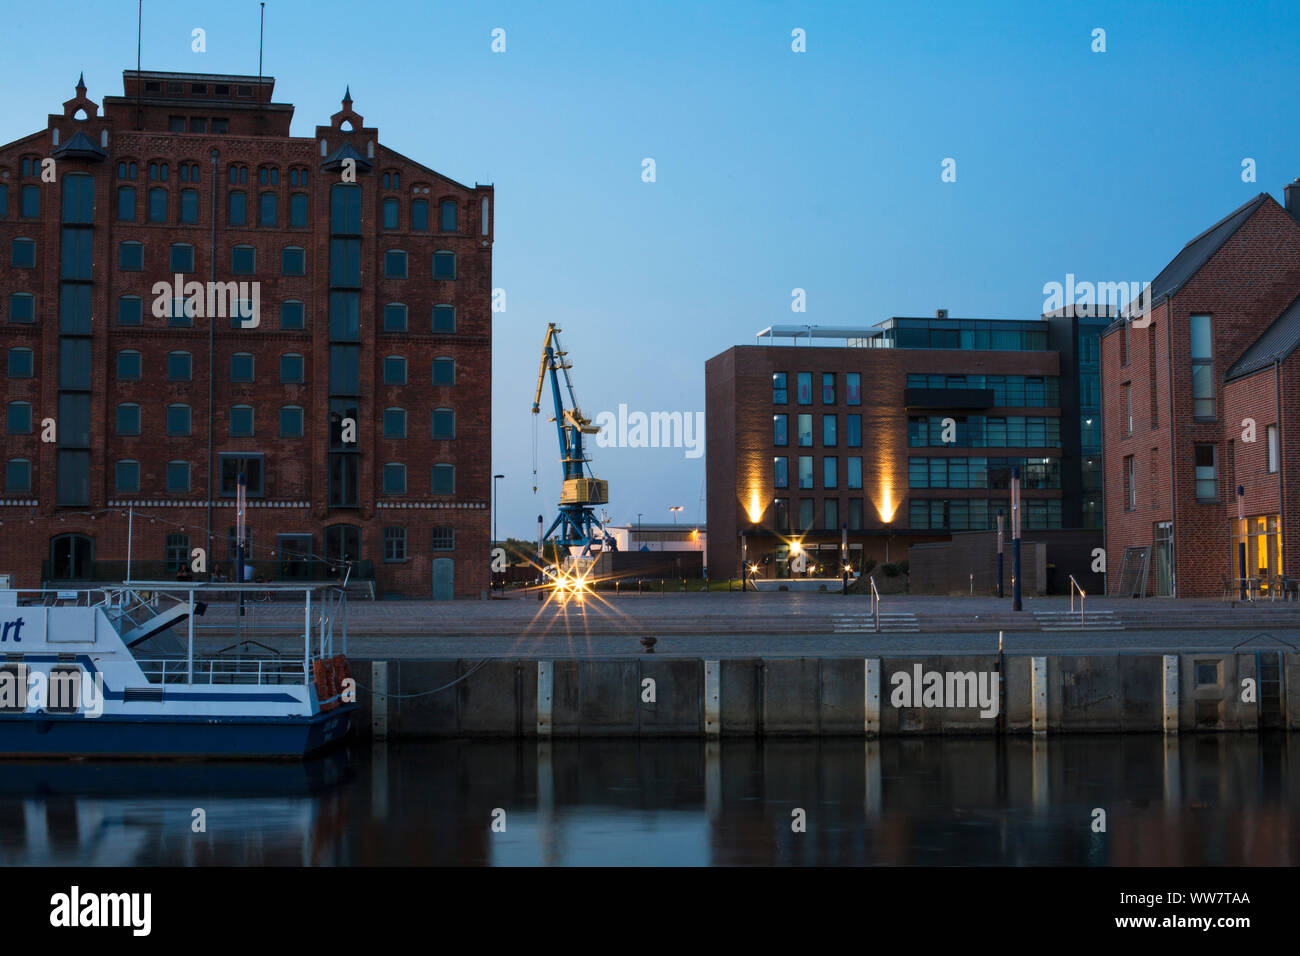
x=804 y=439
x=372 y=295
x=1206 y=398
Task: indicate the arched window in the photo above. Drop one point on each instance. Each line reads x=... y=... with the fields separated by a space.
x=21 y=363
x=158 y=204
x=395 y=317
x=18 y=418
x=241 y=367
x=178 y=420
x=291 y=369
x=342 y=545
x=394 y=478
x=268 y=209
x=18 y=476
x=395 y=424
x=444 y=265
x=444 y=318
x=444 y=370
x=126 y=203
x=128 y=419
x=180 y=366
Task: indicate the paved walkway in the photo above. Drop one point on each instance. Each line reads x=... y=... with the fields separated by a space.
x=769 y=625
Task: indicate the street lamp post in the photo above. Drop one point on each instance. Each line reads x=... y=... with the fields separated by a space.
x=496 y=498
x=674 y=509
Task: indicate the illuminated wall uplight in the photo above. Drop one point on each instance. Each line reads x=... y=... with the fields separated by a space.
x=885 y=504
x=755 y=507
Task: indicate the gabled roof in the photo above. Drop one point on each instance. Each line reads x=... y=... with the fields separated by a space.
x=1198 y=252
x=1278 y=341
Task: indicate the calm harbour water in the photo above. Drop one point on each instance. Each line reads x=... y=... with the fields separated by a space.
x=1220 y=799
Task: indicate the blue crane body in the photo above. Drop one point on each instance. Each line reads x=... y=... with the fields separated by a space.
x=576 y=527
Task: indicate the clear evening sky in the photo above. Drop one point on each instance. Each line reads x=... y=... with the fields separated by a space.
x=775 y=170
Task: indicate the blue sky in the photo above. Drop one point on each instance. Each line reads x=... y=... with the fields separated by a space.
x=774 y=169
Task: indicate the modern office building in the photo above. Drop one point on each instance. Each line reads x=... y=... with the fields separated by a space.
x=900 y=433
x=189 y=292
x=1202 y=413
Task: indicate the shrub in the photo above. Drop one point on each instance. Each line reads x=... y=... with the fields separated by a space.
x=890 y=570
x=904 y=567
x=868 y=566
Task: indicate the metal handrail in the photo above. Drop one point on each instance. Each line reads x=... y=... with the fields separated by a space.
x=172 y=670
x=875 y=603
x=1083 y=596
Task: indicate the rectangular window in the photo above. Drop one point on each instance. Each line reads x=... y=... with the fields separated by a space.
x=394 y=423
x=444 y=539
x=781 y=514
x=444 y=265
x=126 y=476
x=394 y=544
x=1202 y=367
x=394 y=265
x=345 y=370
x=237 y=208
x=243 y=260
x=444 y=371
x=831 y=514
x=31 y=202
x=805 y=471
x=293 y=261
x=251 y=466
x=420 y=215
x=18 y=475
x=1274 y=454
x=781 y=472
x=1130 y=484
x=1207 y=473
x=855 y=514
x=854 y=428
x=22 y=254
x=298 y=210
x=394 y=370
x=189 y=206
x=447 y=215
x=829 y=431
x=804 y=394
x=1126 y=396
x=828 y=388
x=853 y=388
x=780 y=394
x=855 y=472
x=182 y=257
x=345 y=263
x=780 y=430
x=345 y=209
x=22 y=307
x=805 y=431
x=830 y=472
x=807 y=514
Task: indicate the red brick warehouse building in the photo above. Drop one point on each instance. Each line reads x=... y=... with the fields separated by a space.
x=1205 y=398
x=371 y=274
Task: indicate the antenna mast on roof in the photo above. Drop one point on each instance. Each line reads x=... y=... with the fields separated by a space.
x=261 y=23
x=139 y=24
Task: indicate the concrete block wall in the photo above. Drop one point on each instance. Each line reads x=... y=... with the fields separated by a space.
x=832 y=697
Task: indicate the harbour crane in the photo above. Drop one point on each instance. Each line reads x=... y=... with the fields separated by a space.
x=576 y=528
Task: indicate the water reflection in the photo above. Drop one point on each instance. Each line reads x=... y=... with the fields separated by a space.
x=1195 y=800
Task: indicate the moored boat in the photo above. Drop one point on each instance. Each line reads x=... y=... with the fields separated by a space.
x=113 y=672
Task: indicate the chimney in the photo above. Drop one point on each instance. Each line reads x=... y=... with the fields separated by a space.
x=1291 y=192
x=943 y=313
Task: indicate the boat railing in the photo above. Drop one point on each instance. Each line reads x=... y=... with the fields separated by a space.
x=228 y=670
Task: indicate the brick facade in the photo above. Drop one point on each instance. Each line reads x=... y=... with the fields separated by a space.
x=740 y=446
x=156 y=126
x=1244 y=287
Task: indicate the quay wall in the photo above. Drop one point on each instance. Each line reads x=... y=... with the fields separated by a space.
x=850 y=697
